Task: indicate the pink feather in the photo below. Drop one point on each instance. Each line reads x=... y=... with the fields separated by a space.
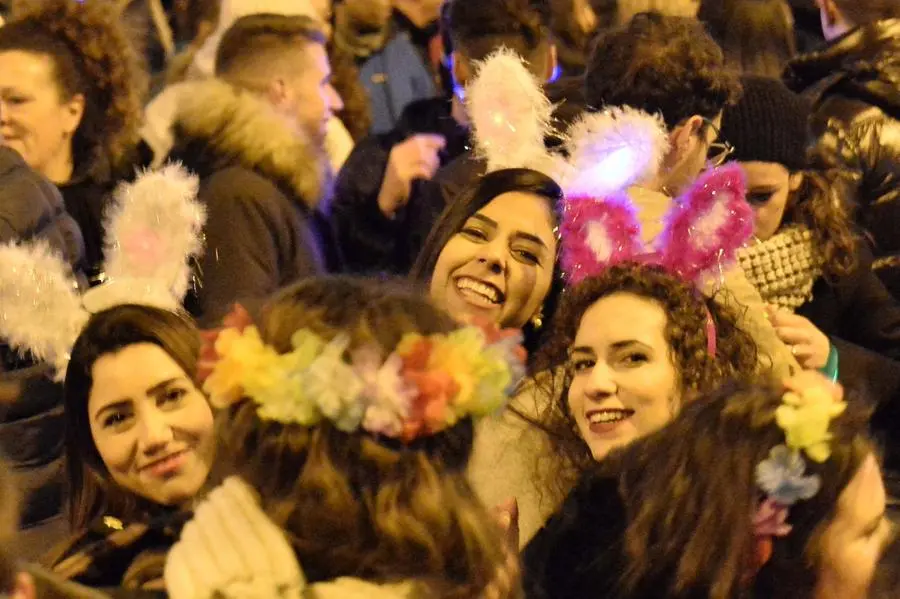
x=597 y=234
x=708 y=225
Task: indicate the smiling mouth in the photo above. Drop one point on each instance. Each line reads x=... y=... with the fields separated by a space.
x=480 y=292
x=607 y=420
x=166 y=466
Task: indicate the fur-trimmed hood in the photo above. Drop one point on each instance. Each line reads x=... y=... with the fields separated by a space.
x=216 y=125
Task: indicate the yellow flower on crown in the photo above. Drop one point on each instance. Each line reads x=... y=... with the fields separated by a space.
x=458 y=354
x=241 y=353
x=805 y=418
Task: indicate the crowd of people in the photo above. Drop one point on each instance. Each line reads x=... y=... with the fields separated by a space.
x=450 y=299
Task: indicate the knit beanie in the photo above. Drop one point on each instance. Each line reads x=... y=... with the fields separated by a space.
x=768 y=124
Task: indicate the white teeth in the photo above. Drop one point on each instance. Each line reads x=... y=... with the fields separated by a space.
x=489 y=292
x=608 y=416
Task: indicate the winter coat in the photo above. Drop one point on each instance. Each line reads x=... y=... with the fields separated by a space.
x=113 y=553
x=369 y=241
x=32 y=210
x=854 y=84
x=261 y=182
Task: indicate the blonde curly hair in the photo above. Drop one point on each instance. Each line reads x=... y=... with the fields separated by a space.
x=92 y=55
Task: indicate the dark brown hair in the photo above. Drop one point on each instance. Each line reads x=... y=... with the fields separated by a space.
x=256 y=40
x=686 y=312
x=478 y=28
x=757 y=36
x=354 y=505
x=91 y=491
x=93 y=56
x=690 y=492
x=474 y=198
x=821 y=203
x=665 y=65
x=863 y=12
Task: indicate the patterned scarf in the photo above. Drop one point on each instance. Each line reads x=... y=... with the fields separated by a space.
x=784 y=267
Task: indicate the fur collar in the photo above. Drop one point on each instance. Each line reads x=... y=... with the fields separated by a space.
x=232 y=125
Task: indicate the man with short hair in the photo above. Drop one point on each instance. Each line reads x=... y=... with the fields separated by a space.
x=255 y=135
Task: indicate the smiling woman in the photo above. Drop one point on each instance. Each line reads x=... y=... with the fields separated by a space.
x=493 y=253
x=139 y=441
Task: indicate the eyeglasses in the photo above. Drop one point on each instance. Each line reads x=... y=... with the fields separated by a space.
x=718 y=151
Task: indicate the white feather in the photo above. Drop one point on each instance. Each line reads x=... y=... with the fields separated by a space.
x=153 y=229
x=40 y=308
x=612 y=150
x=509 y=113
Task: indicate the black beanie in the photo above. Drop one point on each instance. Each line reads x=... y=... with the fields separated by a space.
x=768 y=124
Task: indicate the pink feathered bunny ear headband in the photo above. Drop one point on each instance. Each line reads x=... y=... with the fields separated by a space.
x=153 y=229
x=702 y=232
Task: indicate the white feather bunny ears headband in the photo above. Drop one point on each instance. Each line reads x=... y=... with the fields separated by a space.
x=153 y=228
x=603 y=154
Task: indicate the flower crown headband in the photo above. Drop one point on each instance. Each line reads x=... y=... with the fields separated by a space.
x=152 y=231
x=424 y=386
x=805 y=417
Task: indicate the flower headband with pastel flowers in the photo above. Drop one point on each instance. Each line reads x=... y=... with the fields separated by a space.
x=424 y=386
x=805 y=416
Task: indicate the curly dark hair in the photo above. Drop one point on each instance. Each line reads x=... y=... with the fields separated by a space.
x=686 y=310
x=666 y=65
x=92 y=55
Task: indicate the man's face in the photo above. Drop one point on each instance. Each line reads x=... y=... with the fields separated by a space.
x=309 y=98
x=692 y=143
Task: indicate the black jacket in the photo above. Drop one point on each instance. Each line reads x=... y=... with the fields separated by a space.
x=854 y=84
x=369 y=241
x=31 y=210
x=261 y=184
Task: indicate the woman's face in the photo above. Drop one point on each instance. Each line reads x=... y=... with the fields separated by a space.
x=854 y=540
x=769 y=186
x=624 y=383
x=153 y=429
x=500 y=265
x=34 y=119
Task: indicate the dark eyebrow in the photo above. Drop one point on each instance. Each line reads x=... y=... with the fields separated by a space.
x=581 y=349
x=484 y=219
x=158 y=388
x=112 y=407
x=530 y=237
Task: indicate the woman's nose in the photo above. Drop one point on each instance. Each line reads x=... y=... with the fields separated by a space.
x=156 y=432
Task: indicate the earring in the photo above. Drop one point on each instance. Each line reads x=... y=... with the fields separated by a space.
x=537 y=321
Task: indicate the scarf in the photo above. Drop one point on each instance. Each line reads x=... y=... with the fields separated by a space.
x=784 y=267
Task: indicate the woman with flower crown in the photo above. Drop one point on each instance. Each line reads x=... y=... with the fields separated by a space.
x=751 y=491
x=345 y=431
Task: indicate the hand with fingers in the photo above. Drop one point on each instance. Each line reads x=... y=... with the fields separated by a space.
x=231 y=549
x=807 y=343
x=416 y=158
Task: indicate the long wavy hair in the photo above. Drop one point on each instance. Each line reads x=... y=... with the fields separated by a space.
x=92 y=55
x=685 y=332
x=91 y=490
x=823 y=203
x=351 y=504
x=690 y=491
x=474 y=198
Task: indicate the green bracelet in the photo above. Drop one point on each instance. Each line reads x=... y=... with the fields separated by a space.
x=831 y=366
